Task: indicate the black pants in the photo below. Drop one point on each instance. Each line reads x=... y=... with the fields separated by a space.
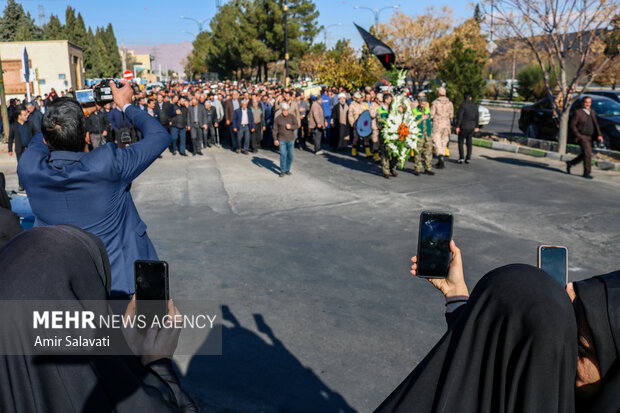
x=256 y=137
x=585 y=155
x=465 y=136
x=317 y=137
x=196 y=137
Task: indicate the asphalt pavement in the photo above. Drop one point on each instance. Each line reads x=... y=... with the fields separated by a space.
x=312 y=270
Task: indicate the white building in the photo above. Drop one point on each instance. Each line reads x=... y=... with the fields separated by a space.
x=59 y=64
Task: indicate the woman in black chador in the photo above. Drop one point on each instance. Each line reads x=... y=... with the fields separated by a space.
x=518 y=344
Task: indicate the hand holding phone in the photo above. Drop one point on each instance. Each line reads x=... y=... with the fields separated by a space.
x=152 y=295
x=435 y=234
x=454 y=284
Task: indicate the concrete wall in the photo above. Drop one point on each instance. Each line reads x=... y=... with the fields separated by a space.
x=60 y=64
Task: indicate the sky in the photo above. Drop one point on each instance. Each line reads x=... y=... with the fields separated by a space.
x=148 y=22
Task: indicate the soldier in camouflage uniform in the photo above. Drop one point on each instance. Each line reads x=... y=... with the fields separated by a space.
x=425 y=144
x=388 y=165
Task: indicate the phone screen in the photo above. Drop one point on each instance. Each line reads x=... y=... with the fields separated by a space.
x=84 y=96
x=434 y=244
x=151 y=289
x=553 y=260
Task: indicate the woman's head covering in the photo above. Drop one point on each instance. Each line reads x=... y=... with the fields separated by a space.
x=600 y=297
x=5 y=202
x=513 y=348
x=65 y=263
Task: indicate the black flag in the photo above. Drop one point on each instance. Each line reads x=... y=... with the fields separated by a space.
x=378 y=48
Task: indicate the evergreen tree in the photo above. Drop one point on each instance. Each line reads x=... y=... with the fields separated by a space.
x=114 y=56
x=107 y=70
x=463 y=72
x=54 y=30
x=478 y=14
x=92 y=59
x=79 y=33
x=70 y=24
x=17 y=25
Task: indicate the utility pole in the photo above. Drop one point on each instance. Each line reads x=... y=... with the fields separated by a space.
x=3 y=105
x=286 y=78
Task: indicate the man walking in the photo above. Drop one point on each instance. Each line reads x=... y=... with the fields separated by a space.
x=208 y=134
x=584 y=126
x=466 y=126
x=230 y=106
x=424 y=146
x=243 y=126
x=284 y=128
x=388 y=164
x=195 y=124
x=258 y=114
x=356 y=108
x=34 y=117
x=340 y=124
x=98 y=127
x=317 y=124
x=178 y=125
x=442 y=112
x=20 y=133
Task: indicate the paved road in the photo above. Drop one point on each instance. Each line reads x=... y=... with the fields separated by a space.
x=311 y=270
x=502 y=121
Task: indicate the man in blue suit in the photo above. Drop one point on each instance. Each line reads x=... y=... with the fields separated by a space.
x=66 y=184
x=243 y=126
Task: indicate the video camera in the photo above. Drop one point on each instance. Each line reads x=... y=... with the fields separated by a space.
x=102 y=93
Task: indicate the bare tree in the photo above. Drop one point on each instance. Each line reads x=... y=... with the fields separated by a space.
x=556 y=30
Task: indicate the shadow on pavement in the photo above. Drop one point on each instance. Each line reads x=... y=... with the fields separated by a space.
x=266 y=163
x=260 y=367
x=521 y=162
x=357 y=164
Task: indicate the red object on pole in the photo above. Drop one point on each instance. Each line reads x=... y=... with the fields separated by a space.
x=128 y=75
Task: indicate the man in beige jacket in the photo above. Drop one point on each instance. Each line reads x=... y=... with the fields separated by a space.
x=356 y=108
x=317 y=124
x=442 y=112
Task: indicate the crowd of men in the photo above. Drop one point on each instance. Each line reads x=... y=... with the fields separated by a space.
x=242 y=116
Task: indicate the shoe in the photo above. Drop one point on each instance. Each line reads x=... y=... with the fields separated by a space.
x=300 y=148
x=288 y=173
x=319 y=152
x=568 y=166
x=431 y=173
x=174 y=153
x=440 y=163
x=200 y=153
x=281 y=175
x=193 y=153
x=588 y=176
x=467 y=161
x=182 y=154
x=416 y=173
x=460 y=161
x=245 y=152
x=238 y=151
x=394 y=174
x=367 y=151
x=386 y=176
x=377 y=157
x=353 y=151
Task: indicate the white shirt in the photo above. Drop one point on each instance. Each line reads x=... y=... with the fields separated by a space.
x=244 y=117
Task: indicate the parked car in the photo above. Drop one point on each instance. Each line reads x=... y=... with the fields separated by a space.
x=611 y=94
x=538 y=120
x=484 y=116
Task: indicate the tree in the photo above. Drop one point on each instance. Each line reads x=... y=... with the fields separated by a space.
x=556 y=31
x=107 y=69
x=70 y=25
x=463 y=72
x=532 y=83
x=609 y=46
x=413 y=40
x=17 y=25
x=92 y=58
x=114 y=56
x=54 y=30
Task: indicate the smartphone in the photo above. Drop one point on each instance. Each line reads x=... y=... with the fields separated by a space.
x=151 y=278
x=554 y=260
x=434 y=244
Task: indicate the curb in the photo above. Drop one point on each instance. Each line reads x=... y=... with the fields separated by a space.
x=538 y=153
x=504 y=104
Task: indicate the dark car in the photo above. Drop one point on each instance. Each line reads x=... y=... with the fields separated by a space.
x=538 y=120
x=611 y=94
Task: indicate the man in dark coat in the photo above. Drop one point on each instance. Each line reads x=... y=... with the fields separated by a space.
x=164 y=112
x=466 y=126
x=584 y=126
x=20 y=134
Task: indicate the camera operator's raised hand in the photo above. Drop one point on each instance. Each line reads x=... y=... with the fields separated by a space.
x=453 y=287
x=123 y=95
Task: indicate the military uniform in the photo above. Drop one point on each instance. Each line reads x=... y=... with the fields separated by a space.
x=425 y=143
x=388 y=165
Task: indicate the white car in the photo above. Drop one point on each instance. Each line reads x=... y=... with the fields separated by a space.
x=484 y=116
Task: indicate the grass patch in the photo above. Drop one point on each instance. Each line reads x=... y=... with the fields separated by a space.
x=537 y=152
x=482 y=142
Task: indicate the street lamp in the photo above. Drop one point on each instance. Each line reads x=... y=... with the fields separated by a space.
x=376 y=12
x=200 y=23
x=286 y=80
x=188 y=32
x=326 y=34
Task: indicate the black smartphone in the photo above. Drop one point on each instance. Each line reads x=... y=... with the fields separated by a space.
x=151 y=278
x=434 y=244
x=553 y=259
